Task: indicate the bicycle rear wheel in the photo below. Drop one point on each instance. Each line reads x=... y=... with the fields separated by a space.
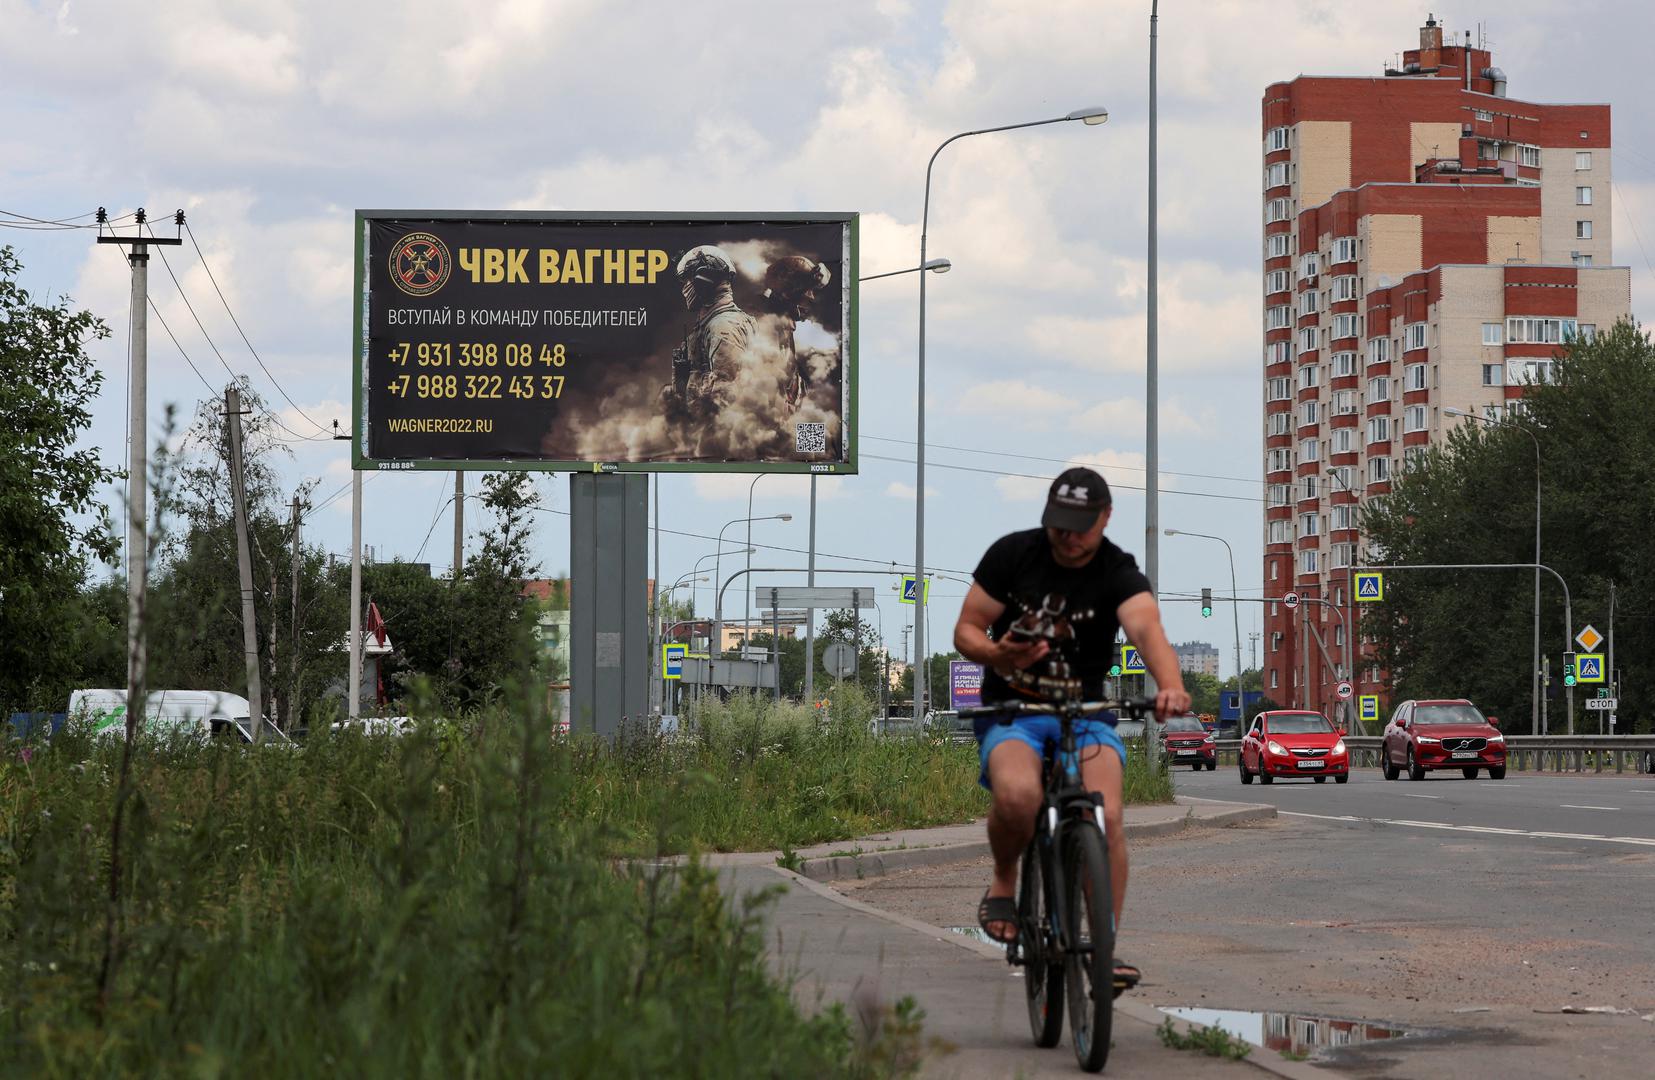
x=1042 y=979
x=1089 y=959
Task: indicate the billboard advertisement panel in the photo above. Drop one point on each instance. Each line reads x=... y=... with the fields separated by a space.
x=605 y=342
x=965 y=683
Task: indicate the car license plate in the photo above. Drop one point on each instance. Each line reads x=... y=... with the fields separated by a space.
x=1189 y=753
x=1311 y=764
x=1465 y=753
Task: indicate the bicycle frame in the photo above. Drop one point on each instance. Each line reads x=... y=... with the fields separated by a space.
x=1067 y=805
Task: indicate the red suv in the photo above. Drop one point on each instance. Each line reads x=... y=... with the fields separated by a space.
x=1293 y=742
x=1450 y=733
x=1188 y=742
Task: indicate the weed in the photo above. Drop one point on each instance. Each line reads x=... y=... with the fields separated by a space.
x=1213 y=1041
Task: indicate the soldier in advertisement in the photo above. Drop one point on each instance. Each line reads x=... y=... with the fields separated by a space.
x=790 y=285
x=714 y=350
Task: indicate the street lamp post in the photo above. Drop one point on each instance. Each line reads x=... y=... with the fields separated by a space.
x=1352 y=655
x=1090 y=116
x=1534 y=696
x=1235 y=610
x=718 y=622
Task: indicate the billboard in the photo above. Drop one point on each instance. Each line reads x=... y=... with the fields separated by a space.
x=965 y=684
x=605 y=342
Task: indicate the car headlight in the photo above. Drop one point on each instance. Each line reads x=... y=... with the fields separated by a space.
x=1428 y=739
x=1209 y=738
x=1339 y=747
x=1275 y=747
x=1497 y=738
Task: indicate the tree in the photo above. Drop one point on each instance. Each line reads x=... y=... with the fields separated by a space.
x=844 y=625
x=52 y=526
x=1203 y=690
x=1452 y=633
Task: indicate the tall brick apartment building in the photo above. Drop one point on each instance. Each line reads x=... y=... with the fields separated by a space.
x=1428 y=243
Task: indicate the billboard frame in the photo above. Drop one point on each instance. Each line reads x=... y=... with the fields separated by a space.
x=361 y=332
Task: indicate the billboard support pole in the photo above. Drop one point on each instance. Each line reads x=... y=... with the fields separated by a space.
x=353 y=702
x=810 y=612
x=608 y=609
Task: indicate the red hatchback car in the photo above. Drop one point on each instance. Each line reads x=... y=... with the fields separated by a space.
x=1424 y=736
x=1293 y=742
x=1188 y=742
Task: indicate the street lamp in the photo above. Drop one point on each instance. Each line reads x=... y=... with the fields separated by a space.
x=1353 y=655
x=936 y=266
x=1235 y=605
x=1090 y=116
x=1534 y=699
x=718 y=621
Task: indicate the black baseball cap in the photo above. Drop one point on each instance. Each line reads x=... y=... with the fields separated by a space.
x=1075 y=500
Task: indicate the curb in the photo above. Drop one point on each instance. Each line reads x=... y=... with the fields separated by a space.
x=878 y=863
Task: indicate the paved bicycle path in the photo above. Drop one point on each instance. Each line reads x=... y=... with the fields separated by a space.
x=838 y=949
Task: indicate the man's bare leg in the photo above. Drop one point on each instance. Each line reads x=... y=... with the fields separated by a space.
x=1014 y=779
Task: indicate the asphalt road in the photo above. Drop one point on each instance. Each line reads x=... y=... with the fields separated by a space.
x=1576 y=811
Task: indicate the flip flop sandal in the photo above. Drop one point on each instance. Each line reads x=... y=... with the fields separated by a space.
x=997 y=909
x=1126 y=977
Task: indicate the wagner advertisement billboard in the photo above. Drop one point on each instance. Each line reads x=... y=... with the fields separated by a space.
x=610 y=342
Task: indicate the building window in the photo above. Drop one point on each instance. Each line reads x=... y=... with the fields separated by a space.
x=1482 y=114
x=1583 y=229
x=1307 y=487
x=1307 y=302
x=1278 y=352
x=1414 y=377
x=1491 y=334
x=1278 y=246
x=1413 y=457
x=1309 y=525
x=1342 y=555
x=1276 y=281
x=1529 y=155
x=1307 y=339
x=1281 y=388
x=1414 y=335
x=1583 y=195
x=1413 y=418
x=1582 y=260
x=1344 y=287
x=1281 y=423
x=1278 y=317
x=1281 y=532
x=1344 y=364
x=1379 y=429
x=1379 y=470
x=1346 y=326
x=1272 y=570
x=1339 y=628
x=1494 y=374
x=1309 y=376
x=1521 y=331
x=1307 y=561
x=1528 y=370
x=1379 y=350
x=1583 y=160
x=1277 y=210
x=1586 y=332
x=1307 y=266
x=1494 y=412
x=1275 y=139
x=1340 y=475
x=1280 y=459
x=1275 y=175
x=1279 y=495
x=1274 y=684
x=1344 y=402
x=1307 y=450
x=1344 y=249
x=1344 y=440
x=1379 y=389
x=1342 y=518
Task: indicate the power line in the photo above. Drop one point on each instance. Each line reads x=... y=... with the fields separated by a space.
x=1034 y=476
x=1059 y=461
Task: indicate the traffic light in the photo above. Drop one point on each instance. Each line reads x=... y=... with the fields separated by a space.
x=1206 y=603
x=1114 y=671
x=1568 y=669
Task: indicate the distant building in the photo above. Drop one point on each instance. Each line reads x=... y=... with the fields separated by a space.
x=1197 y=657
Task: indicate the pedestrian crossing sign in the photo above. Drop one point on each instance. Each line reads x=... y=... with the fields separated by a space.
x=1370 y=586
x=908 y=589
x=1589 y=667
x=1131 y=662
x=1369 y=709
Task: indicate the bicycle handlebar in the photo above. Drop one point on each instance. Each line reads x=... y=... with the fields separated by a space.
x=1136 y=708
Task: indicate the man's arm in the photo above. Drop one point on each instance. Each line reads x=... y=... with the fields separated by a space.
x=1140 y=617
x=971 y=638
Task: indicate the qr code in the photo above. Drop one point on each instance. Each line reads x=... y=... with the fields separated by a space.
x=810 y=438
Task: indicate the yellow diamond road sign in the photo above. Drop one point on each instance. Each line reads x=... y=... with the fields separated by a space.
x=1589 y=638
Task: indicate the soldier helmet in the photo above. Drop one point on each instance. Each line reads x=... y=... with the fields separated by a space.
x=793 y=275
x=707 y=265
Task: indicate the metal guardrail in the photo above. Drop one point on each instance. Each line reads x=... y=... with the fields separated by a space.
x=1524 y=753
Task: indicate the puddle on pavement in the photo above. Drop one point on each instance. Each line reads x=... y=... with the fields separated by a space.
x=1291 y=1034
x=975 y=933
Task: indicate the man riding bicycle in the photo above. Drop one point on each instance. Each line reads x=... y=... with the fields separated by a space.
x=1041 y=617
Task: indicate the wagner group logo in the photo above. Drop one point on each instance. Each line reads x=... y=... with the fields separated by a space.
x=420 y=264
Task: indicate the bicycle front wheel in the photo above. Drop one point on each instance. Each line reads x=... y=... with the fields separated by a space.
x=1042 y=976
x=1089 y=957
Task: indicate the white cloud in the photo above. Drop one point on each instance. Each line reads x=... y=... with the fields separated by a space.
x=896 y=489
x=1120 y=468
x=731 y=487
x=1012 y=397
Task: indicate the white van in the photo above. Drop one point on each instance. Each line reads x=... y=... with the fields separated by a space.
x=210 y=712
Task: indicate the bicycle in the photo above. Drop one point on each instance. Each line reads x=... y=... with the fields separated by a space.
x=1065 y=907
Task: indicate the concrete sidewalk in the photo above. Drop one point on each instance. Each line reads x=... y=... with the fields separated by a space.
x=835 y=948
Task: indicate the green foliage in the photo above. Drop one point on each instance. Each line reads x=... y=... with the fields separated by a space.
x=1469 y=633
x=48 y=489
x=1258 y=705
x=1212 y=1041
x=1203 y=691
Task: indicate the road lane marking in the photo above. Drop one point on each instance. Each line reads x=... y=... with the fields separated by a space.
x=1408 y=795
x=1569 y=806
x=1637 y=841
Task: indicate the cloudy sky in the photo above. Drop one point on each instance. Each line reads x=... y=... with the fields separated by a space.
x=269 y=123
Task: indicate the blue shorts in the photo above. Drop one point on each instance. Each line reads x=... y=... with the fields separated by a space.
x=1040 y=732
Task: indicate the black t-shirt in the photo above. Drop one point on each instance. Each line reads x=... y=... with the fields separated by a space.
x=1072 y=608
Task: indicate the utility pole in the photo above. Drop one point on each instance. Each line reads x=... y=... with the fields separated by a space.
x=137 y=469
x=459 y=524
x=353 y=706
x=244 y=560
x=1252 y=647
x=293 y=625
x=810 y=612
